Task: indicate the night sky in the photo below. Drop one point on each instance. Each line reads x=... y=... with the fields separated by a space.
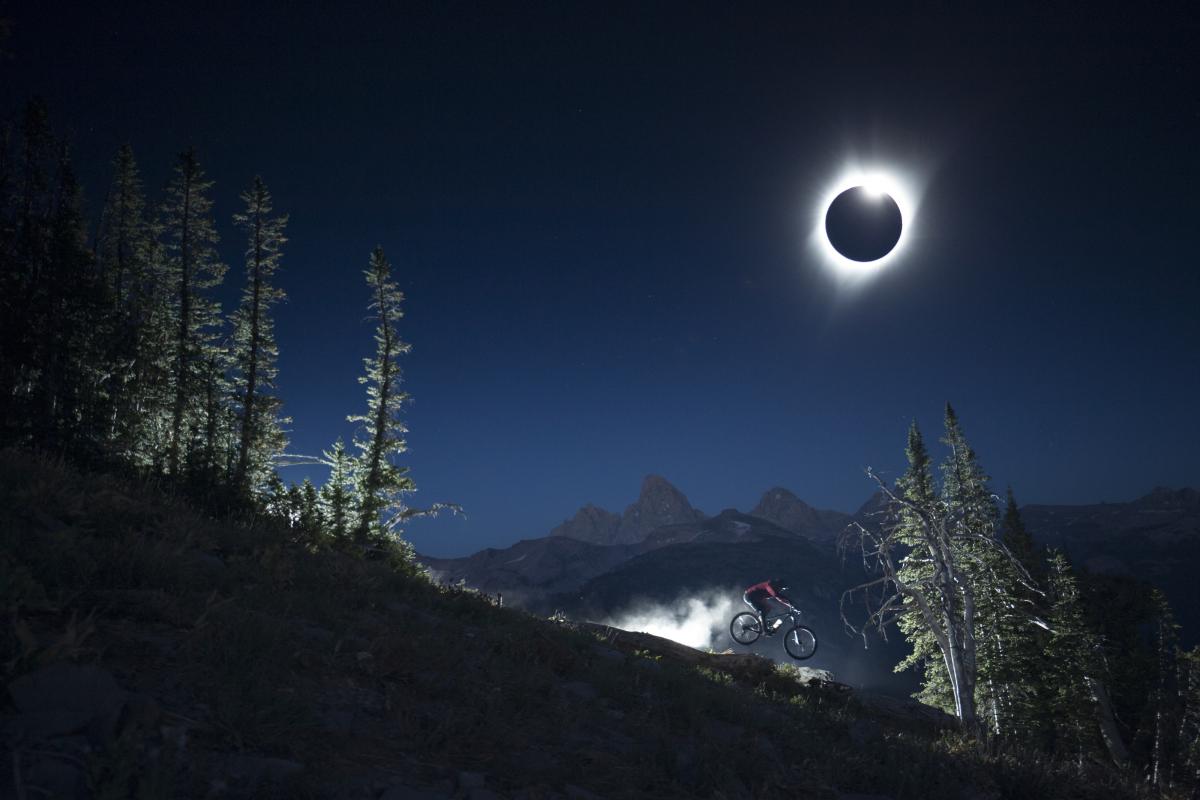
x=599 y=214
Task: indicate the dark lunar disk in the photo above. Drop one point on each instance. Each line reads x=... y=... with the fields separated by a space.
x=863 y=225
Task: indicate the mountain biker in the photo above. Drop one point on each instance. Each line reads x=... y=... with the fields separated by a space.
x=757 y=596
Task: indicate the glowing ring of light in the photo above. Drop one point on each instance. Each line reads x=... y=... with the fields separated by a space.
x=873 y=181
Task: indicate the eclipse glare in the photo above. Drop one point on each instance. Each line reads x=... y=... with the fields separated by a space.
x=863 y=224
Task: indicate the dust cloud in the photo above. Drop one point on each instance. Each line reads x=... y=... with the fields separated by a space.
x=697 y=619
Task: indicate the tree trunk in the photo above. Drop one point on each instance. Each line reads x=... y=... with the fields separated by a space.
x=183 y=366
x=1108 y=723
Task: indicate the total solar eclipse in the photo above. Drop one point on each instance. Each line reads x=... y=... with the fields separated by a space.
x=863 y=223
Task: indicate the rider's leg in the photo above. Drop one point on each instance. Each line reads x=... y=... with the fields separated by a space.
x=775 y=625
x=754 y=600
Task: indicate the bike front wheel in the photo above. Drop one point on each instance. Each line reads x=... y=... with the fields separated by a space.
x=800 y=643
x=745 y=628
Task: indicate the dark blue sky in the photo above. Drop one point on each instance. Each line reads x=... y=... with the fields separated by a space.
x=598 y=214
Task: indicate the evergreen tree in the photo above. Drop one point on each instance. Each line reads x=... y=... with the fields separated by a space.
x=255 y=353
x=1020 y=542
x=275 y=499
x=127 y=260
x=1188 y=735
x=379 y=482
x=1070 y=666
x=917 y=486
x=26 y=239
x=987 y=569
x=210 y=454
x=124 y=243
x=1022 y=631
x=71 y=307
x=311 y=519
x=1165 y=708
x=336 y=498
x=193 y=266
x=922 y=573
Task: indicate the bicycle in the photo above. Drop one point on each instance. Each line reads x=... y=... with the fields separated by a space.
x=800 y=642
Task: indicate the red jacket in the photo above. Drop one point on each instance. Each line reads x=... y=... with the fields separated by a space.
x=764 y=586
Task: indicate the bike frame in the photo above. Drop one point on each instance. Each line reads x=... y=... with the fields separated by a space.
x=792 y=612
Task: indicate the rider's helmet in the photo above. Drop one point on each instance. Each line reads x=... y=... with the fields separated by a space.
x=778 y=585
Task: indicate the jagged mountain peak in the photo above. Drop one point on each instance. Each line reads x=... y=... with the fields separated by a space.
x=658 y=503
x=782 y=507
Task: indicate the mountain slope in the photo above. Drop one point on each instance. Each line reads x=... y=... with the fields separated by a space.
x=719 y=559
x=153 y=651
x=788 y=511
x=531 y=568
x=1155 y=538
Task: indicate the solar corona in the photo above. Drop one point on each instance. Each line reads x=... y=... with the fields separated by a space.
x=863 y=222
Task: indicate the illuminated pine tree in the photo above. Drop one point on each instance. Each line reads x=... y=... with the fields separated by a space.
x=255 y=352
x=193 y=266
x=917 y=486
x=311 y=520
x=993 y=575
x=379 y=482
x=336 y=498
x=127 y=253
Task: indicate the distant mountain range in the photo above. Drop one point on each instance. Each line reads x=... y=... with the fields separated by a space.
x=1155 y=538
x=661 y=548
x=595 y=541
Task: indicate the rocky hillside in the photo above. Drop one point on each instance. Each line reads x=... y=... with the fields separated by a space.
x=151 y=651
x=530 y=570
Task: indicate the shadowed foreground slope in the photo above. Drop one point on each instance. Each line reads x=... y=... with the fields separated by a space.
x=153 y=652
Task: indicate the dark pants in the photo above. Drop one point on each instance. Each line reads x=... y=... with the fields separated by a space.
x=758 y=601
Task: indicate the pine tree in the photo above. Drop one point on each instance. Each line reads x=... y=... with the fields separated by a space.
x=275 y=499
x=1022 y=630
x=1188 y=735
x=255 y=352
x=1070 y=667
x=127 y=261
x=1019 y=541
x=23 y=306
x=921 y=573
x=73 y=366
x=311 y=520
x=336 y=498
x=209 y=456
x=986 y=568
x=917 y=486
x=379 y=483
x=1165 y=707
x=194 y=267
x=124 y=243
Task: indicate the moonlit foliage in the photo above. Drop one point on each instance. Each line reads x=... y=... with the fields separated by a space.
x=876 y=180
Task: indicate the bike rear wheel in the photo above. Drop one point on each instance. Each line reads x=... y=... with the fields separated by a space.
x=800 y=642
x=745 y=628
